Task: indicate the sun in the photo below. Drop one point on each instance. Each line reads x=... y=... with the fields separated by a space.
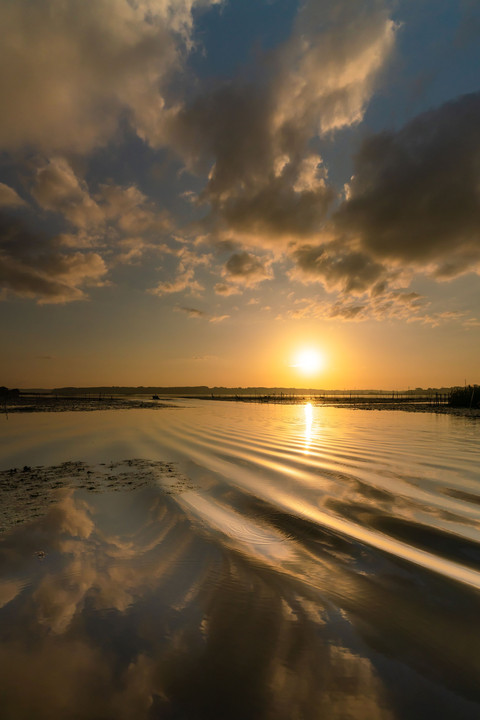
x=309 y=361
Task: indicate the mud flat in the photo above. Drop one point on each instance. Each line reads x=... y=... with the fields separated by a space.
x=412 y=407
x=26 y=493
x=64 y=404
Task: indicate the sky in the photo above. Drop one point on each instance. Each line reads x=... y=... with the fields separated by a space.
x=196 y=192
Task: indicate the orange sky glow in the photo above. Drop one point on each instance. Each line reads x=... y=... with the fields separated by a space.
x=195 y=192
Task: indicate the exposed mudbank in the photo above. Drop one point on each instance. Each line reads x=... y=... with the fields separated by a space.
x=26 y=493
x=412 y=407
x=29 y=404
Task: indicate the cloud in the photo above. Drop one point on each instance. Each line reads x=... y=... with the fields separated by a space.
x=75 y=72
x=196 y=313
x=132 y=211
x=72 y=70
x=32 y=266
x=412 y=208
x=265 y=184
x=183 y=282
x=226 y=290
x=331 y=62
x=119 y=221
x=246 y=269
x=204 y=358
x=336 y=267
x=56 y=188
x=414 y=196
x=192 y=312
x=56 y=279
x=185 y=279
x=9 y=197
x=394 y=304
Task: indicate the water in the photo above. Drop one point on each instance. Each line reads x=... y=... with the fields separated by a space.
x=301 y=562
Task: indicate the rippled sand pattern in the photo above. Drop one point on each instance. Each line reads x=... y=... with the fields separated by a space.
x=246 y=562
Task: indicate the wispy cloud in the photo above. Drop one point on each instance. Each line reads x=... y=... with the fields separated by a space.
x=196 y=313
x=191 y=311
x=226 y=290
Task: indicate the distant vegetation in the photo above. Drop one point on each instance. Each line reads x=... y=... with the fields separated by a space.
x=6 y=394
x=468 y=396
x=199 y=390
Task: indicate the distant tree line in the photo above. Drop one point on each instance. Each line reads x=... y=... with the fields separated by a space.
x=6 y=394
x=468 y=396
x=216 y=390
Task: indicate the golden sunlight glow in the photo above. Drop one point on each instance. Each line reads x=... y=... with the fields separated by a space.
x=309 y=361
x=308 y=427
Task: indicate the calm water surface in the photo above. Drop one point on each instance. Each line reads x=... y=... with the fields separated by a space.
x=313 y=563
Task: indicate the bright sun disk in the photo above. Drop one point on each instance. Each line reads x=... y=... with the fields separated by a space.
x=309 y=361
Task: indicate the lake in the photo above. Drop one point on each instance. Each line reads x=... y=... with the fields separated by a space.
x=240 y=561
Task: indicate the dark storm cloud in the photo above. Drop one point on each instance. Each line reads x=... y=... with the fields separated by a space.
x=415 y=194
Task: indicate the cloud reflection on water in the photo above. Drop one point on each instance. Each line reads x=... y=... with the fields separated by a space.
x=159 y=621
x=254 y=581
x=150 y=606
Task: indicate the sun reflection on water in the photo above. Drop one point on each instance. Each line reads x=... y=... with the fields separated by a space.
x=308 y=427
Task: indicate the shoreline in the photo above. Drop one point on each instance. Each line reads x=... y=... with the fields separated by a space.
x=76 y=404
x=414 y=408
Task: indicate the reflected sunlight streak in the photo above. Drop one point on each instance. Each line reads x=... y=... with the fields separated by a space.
x=308 y=427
